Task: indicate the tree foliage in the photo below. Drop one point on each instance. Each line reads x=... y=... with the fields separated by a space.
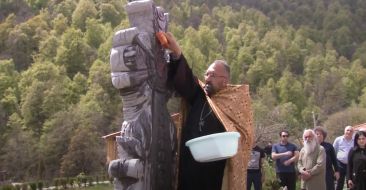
x=84 y=154
x=73 y=52
x=305 y=62
x=85 y=9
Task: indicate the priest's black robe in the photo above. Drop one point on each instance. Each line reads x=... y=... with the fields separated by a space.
x=194 y=175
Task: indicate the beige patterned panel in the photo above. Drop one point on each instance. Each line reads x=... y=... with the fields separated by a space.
x=233 y=107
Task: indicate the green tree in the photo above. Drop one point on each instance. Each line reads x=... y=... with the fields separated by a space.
x=329 y=90
x=94 y=34
x=193 y=53
x=55 y=141
x=180 y=15
x=9 y=93
x=313 y=67
x=295 y=58
x=48 y=49
x=54 y=100
x=227 y=16
x=84 y=154
x=43 y=87
x=233 y=45
x=24 y=39
x=311 y=113
x=197 y=61
x=290 y=89
x=105 y=48
x=99 y=73
x=239 y=69
x=262 y=69
x=362 y=98
x=287 y=113
x=354 y=81
x=31 y=108
x=73 y=52
x=207 y=43
x=343 y=42
x=37 y=4
x=60 y=24
x=360 y=53
x=109 y=13
x=267 y=94
x=9 y=104
x=9 y=77
x=85 y=9
x=5 y=28
x=20 y=47
x=98 y=109
x=41 y=72
x=19 y=142
x=76 y=88
x=66 y=8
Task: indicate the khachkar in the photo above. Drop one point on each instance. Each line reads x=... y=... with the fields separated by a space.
x=147 y=145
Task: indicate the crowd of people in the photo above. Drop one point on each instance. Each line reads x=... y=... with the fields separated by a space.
x=319 y=165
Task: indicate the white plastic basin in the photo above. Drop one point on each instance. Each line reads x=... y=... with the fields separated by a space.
x=214 y=147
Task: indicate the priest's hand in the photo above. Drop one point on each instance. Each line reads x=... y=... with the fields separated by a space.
x=173 y=45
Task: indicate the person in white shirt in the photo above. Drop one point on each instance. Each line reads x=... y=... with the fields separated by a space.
x=342 y=146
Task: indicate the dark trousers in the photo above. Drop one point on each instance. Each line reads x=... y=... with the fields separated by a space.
x=288 y=179
x=342 y=168
x=254 y=177
x=329 y=180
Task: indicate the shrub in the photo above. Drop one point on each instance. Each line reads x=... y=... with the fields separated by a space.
x=25 y=186
x=56 y=182
x=18 y=187
x=97 y=179
x=90 y=180
x=81 y=179
x=33 y=185
x=7 y=187
x=63 y=182
x=40 y=185
x=71 y=181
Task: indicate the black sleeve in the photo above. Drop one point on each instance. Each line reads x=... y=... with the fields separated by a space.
x=333 y=157
x=350 y=165
x=181 y=78
x=262 y=153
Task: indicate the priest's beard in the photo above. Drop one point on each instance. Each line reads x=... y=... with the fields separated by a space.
x=309 y=146
x=209 y=89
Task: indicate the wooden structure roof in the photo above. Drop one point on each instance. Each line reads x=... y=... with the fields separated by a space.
x=111 y=145
x=360 y=127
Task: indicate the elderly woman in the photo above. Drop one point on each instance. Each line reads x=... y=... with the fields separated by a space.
x=331 y=170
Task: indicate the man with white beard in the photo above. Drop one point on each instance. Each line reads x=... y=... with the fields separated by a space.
x=312 y=163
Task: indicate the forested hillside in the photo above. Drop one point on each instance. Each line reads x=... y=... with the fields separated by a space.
x=305 y=62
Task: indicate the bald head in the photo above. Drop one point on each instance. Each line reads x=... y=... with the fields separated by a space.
x=222 y=65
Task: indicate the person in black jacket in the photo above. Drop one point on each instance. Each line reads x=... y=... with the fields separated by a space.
x=356 y=170
x=331 y=159
x=200 y=119
x=268 y=151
